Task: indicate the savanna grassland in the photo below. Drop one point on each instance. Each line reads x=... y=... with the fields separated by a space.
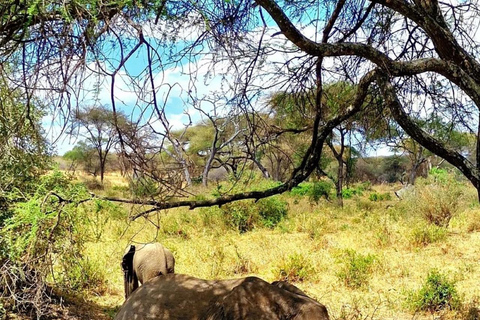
x=378 y=257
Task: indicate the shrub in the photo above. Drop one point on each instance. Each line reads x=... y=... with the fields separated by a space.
x=380 y=196
x=315 y=191
x=438 y=197
x=82 y=274
x=144 y=187
x=295 y=267
x=348 y=193
x=427 y=234
x=302 y=189
x=320 y=189
x=356 y=268
x=271 y=210
x=43 y=241
x=436 y=294
x=241 y=215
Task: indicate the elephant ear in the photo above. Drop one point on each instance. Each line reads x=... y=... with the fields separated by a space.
x=128 y=272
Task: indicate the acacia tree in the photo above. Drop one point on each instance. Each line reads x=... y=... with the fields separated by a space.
x=416 y=56
x=429 y=42
x=99 y=127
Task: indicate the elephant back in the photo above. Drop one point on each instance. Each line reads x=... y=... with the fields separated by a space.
x=150 y=261
x=174 y=296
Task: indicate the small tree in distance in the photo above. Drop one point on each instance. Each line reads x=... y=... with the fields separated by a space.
x=99 y=127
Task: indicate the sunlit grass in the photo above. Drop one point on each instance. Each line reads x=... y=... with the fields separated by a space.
x=308 y=246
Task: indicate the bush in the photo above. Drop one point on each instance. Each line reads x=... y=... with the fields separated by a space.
x=380 y=196
x=43 y=242
x=348 y=193
x=82 y=274
x=144 y=187
x=356 y=268
x=296 y=268
x=271 y=211
x=315 y=191
x=302 y=189
x=320 y=189
x=438 y=197
x=436 y=294
x=241 y=215
x=427 y=234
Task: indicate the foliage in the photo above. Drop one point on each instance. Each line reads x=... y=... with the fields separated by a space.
x=100 y=215
x=23 y=148
x=84 y=155
x=100 y=127
x=241 y=215
x=438 y=197
x=320 y=189
x=315 y=191
x=302 y=189
x=348 y=193
x=356 y=268
x=271 y=210
x=44 y=241
x=143 y=187
x=376 y=196
x=394 y=166
x=437 y=293
x=424 y=235
x=296 y=268
x=246 y=215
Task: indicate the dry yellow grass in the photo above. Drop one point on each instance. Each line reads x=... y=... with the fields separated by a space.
x=317 y=235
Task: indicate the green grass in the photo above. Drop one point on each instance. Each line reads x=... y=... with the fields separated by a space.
x=359 y=260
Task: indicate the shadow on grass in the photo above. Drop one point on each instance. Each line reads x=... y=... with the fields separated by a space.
x=70 y=308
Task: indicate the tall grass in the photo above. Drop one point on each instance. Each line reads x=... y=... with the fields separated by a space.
x=359 y=260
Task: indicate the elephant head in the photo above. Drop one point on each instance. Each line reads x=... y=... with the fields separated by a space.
x=177 y=296
x=141 y=263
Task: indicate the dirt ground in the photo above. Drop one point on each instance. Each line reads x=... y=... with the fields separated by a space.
x=72 y=310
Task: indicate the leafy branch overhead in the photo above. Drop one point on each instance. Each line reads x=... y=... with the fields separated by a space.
x=258 y=77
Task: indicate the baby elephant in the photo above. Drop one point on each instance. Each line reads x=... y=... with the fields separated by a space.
x=144 y=262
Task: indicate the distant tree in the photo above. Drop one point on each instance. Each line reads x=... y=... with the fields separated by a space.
x=83 y=155
x=394 y=168
x=98 y=125
x=338 y=97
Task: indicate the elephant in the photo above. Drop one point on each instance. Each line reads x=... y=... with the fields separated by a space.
x=143 y=262
x=178 y=296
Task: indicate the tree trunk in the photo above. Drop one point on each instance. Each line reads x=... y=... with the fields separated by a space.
x=339 y=182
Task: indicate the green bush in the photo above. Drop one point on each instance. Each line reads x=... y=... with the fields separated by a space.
x=101 y=214
x=348 y=193
x=320 y=189
x=315 y=191
x=144 y=187
x=302 y=189
x=297 y=268
x=271 y=210
x=43 y=242
x=436 y=294
x=426 y=234
x=356 y=268
x=82 y=274
x=380 y=196
x=241 y=215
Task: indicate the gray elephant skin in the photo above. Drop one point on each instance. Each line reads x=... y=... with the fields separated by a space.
x=143 y=262
x=177 y=296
